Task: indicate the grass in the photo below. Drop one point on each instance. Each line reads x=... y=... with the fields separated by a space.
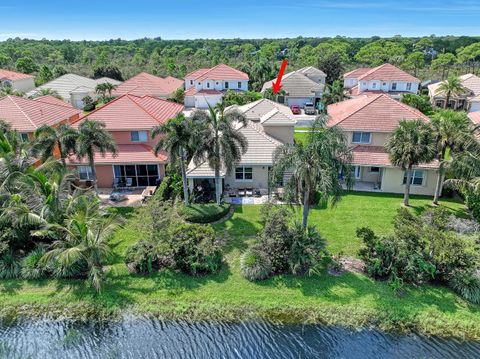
x=351 y=299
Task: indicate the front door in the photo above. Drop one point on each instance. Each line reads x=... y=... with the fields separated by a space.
x=358 y=172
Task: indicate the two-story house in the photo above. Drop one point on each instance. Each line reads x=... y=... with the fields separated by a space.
x=26 y=116
x=269 y=125
x=205 y=87
x=301 y=86
x=129 y=119
x=368 y=121
x=467 y=100
x=17 y=80
x=145 y=84
x=385 y=78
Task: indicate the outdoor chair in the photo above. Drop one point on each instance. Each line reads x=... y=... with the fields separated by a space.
x=116 y=183
x=129 y=183
x=241 y=192
x=249 y=192
x=232 y=193
x=257 y=193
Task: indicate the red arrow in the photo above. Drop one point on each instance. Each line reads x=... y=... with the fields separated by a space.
x=277 y=85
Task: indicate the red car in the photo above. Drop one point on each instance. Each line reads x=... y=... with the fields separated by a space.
x=295 y=109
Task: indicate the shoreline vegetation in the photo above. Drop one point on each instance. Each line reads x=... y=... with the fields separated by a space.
x=351 y=300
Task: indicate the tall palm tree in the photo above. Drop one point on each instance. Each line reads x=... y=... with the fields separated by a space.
x=451 y=86
x=410 y=144
x=315 y=165
x=334 y=93
x=176 y=137
x=451 y=132
x=221 y=143
x=92 y=137
x=48 y=138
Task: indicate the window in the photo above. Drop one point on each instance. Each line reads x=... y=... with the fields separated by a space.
x=139 y=136
x=394 y=85
x=409 y=86
x=243 y=173
x=191 y=82
x=199 y=83
x=374 y=85
x=239 y=85
x=358 y=172
x=375 y=169
x=85 y=173
x=208 y=85
x=417 y=178
x=361 y=137
x=216 y=82
x=226 y=84
x=24 y=137
x=141 y=175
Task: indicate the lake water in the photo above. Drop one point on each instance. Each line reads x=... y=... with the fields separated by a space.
x=145 y=338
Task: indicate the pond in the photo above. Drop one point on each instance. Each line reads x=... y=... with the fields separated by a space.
x=146 y=338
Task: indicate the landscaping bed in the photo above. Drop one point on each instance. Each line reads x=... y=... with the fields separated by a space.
x=204 y=212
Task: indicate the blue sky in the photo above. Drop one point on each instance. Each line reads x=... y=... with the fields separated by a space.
x=189 y=19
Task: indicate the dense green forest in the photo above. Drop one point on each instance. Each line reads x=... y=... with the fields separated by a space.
x=427 y=57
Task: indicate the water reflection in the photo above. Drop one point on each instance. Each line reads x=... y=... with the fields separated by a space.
x=145 y=338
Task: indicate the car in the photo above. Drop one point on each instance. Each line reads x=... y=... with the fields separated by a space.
x=309 y=108
x=295 y=109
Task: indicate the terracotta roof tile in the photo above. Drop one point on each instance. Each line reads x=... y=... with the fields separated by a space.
x=12 y=75
x=387 y=72
x=27 y=115
x=219 y=72
x=475 y=117
x=129 y=112
x=356 y=73
x=52 y=100
x=193 y=91
x=378 y=113
x=134 y=153
x=145 y=84
x=378 y=157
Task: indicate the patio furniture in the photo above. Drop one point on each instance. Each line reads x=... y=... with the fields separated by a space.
x=232 y=193
x=129 y=183
x=117 y=197
x=257 y=193
x=241 y=192
x=116 y=183
x=249 y=192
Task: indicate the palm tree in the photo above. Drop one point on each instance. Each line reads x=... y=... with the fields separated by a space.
x=7 y=89
x=48 y=138
x=221 y=144
x=84 y=247
x=92 y=137
x=105 y=88
x=451 y=86
x=410 y=144
x=47 y=92
x=451 y=132
x=334 y=93
x=176 y=139
x=315 y=165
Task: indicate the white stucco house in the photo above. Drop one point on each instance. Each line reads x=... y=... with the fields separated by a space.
x=207 y=86
x=269 y=125
x=469 y=100
x=73 y=88
x=301 y=86
x=385 y=78
x=17 y=80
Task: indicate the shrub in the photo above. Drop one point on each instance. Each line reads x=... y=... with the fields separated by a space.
x=204 y=213
x=164 y=191
x=32 y=265
x=307 y=249
x=195 y=249
x=255 y=265
x=142 y=257
x=10 y=266
x=462 y=225
x=472 y=201
x=466 y=284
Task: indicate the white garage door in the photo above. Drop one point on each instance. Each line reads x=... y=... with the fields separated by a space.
x=204 y=101
x=300 y=101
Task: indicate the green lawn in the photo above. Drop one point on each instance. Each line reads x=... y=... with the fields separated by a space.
x=350 y=299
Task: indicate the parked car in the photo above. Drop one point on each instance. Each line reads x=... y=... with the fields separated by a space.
x=295 y=109
x=309 y=108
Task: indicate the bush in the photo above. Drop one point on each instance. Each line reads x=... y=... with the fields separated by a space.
x=164 y=191
x=10 y=266
x=195 y=249
x=472 y=201
x=467 y=285
x=307 y=249
x=32 y=265
x=255 y=265
x=204 y=213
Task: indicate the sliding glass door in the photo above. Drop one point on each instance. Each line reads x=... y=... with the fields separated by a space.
x=141 y=175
